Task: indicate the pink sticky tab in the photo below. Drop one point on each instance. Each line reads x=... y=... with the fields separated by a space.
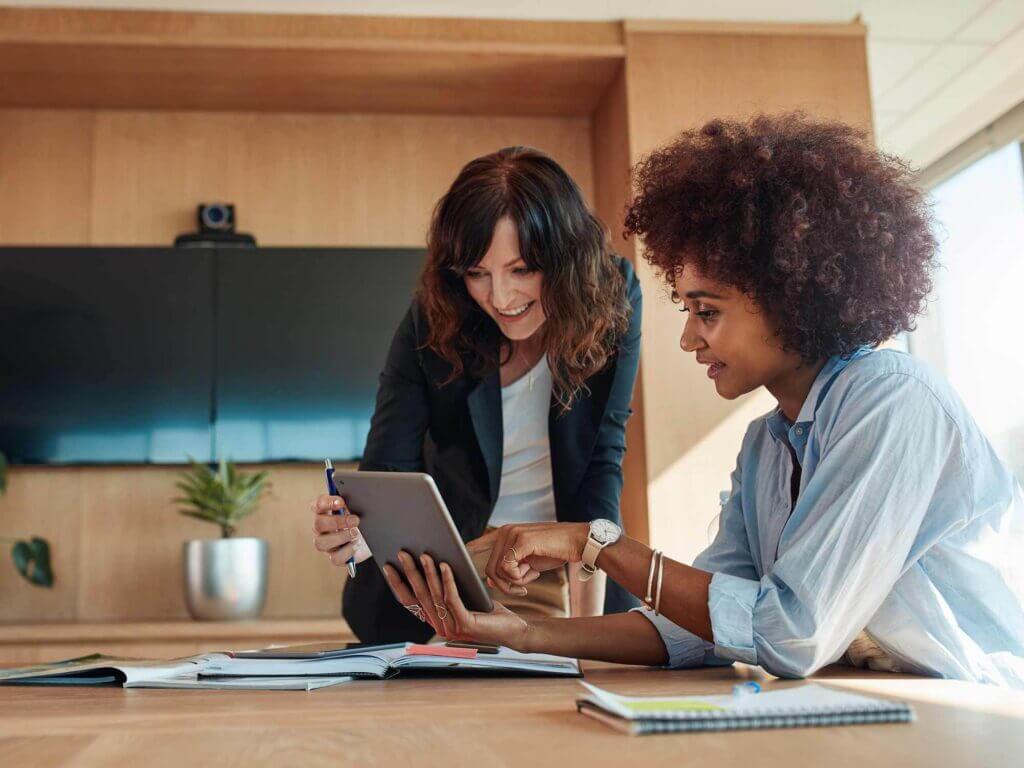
x=441 y=650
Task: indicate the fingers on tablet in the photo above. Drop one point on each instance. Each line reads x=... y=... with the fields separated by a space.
x=453 y=600
x=419 y=587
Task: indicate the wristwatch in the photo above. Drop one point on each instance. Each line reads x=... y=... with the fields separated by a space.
x=602 y=533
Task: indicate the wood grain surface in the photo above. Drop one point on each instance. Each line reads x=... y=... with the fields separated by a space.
x=489 y=722
x=277 y=62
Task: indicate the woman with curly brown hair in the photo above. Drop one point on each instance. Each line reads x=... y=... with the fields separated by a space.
x=509 y=381
x=869 y=520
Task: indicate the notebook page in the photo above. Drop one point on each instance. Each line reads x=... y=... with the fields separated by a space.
x=810 y=698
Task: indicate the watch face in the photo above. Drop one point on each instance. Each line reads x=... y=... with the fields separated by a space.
x=604 y=531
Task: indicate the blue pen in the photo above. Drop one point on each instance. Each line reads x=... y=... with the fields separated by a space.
x=333 y=491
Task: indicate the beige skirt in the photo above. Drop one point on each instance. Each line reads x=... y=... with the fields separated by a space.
x=547 y=597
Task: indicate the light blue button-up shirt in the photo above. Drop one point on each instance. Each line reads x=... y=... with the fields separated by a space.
x=906 y=526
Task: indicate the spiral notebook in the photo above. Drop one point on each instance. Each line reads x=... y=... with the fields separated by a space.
x=802 y=706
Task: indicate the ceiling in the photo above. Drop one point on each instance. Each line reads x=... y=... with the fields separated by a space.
x=941 y=70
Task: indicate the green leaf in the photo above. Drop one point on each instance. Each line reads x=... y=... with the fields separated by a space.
x=222 y=496
x=32 y=559
x=42 y=574
x=21 y=552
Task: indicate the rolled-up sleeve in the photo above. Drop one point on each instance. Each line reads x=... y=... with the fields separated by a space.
x=684 y=648
x=731 y=602
x=728 y=556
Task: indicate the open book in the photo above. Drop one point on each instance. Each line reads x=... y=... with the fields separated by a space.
x=98 y=669
x=387 y=661
x=279 y=668
x=805 y=705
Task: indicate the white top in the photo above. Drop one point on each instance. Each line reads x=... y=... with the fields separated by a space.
x=526 y=494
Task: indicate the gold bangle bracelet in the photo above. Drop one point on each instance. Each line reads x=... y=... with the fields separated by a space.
x=650 y=579
x=661 y=573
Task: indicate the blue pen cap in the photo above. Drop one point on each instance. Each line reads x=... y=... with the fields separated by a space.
x=745 y=689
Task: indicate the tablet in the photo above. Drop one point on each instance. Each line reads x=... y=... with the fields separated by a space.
x=404 y=510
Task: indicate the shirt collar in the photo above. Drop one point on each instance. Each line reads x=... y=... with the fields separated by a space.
x=796 y=433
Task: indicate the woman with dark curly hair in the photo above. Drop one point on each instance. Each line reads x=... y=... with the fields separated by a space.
x=869 y=520
x=509 y=381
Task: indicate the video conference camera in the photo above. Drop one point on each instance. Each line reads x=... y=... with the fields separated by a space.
x=216 y=222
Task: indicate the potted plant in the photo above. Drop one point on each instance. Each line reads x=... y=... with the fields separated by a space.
x=31 y=556
x=225 y=578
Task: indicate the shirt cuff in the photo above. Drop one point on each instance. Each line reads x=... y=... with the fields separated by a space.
x=684 y=648
x=731 y=603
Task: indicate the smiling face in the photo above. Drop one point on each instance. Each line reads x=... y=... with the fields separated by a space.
x=730 y=334
x=505 y=288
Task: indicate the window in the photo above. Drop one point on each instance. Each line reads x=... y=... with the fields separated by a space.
x=973 y=331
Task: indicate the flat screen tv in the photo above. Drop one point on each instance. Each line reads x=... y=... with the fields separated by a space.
x=158 y=355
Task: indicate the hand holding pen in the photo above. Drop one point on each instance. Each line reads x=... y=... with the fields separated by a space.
x=332 y=490
x=336 y=529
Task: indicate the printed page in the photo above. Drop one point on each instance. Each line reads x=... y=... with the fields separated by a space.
x=243 y=683
x=162 y=670
x=505 y=659
x=369 y=664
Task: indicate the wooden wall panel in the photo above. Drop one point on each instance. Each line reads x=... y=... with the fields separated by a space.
x=329 y=180
x=610 y=144
x=130 y=543
x=42 y=503
x=93 y=26
x=681 y=80
x=678 y=80
x=306 y=63
x=45 y=176
x=117 y=537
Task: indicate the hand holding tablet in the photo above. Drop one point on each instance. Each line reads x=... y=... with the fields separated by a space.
x=418 y=548
x=400 y=512
x=434 y=586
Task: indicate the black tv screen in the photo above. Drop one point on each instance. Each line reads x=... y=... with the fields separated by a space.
x=304 y=335
x=131 y=355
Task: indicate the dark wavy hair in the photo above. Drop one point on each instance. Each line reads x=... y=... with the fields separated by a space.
x=583 y=293
x=830 y=237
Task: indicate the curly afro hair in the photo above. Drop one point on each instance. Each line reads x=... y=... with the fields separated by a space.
x=827 y=235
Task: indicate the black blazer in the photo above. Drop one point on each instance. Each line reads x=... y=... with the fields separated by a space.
x=454 y=433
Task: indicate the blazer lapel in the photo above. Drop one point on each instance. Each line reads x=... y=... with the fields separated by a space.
x=485 y=412
x=572 y=435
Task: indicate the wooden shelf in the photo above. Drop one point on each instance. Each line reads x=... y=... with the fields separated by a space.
x=249 y=62
x=33 y=643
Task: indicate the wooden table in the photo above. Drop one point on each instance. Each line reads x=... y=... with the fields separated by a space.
x=488 y=722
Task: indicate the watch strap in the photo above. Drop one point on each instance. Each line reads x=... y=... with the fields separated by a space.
x=588 y=562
